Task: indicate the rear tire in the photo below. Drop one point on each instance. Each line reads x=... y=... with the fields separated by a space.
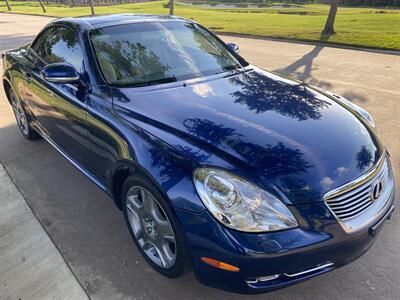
x=154 y=227
x=23 y=119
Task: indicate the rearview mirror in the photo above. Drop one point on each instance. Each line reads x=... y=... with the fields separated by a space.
x=60 y=73
x=234 y=47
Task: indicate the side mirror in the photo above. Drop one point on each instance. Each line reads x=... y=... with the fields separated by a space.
x=234 y=47
x=60 y=73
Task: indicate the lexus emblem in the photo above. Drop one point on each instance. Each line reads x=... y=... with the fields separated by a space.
x=376 y=192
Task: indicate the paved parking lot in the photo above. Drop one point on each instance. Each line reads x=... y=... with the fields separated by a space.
x=90 y=232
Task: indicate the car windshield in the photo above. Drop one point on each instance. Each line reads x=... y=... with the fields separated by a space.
x=150 y=53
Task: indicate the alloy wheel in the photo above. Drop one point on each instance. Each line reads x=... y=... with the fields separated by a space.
x=151 y=227
x=20 y=115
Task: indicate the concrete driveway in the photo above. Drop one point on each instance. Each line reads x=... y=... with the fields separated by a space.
x=91 y=234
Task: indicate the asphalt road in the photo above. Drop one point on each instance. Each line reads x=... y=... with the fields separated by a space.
x=91 y=234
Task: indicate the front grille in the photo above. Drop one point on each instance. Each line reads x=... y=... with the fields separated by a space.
x=354 y=201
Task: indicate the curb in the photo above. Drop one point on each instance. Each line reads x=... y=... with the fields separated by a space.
x=32 y=265
x=25 y=14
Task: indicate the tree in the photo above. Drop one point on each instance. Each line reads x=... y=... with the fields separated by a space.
x=42 y=6
x=8 y=5
x=92 y=7
x=330 y=21
x=171 y=7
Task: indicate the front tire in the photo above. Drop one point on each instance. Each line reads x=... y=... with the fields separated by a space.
x=154 y=227
x=22 y=118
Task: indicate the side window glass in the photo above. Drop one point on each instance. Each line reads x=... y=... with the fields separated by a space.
x=38 y=47
x=60 y=45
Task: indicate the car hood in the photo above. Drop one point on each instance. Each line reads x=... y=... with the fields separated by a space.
x=300 y=141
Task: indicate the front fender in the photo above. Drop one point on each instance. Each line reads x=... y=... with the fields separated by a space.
x=166 y=167
x=119 y=143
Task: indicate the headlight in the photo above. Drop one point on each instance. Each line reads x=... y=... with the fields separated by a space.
x=239 y=204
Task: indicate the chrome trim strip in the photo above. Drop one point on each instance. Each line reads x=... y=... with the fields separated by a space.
x=357 y=182
x=309 y=270
x=377 y=208
x=62 y=79
x=337 y=201
x=250 y=281
x=45 y=136
x=367 y=217
x=356 y=205
x=267 y=278
x=354 y=214
x=348 y=204
x=261 y=279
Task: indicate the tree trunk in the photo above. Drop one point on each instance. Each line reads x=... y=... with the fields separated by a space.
x=8 y=5
x=92 y=7
x=330 y=21
x=171 y=7
x=42 y=6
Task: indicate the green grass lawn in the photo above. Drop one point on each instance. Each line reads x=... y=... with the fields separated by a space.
x=364 y=27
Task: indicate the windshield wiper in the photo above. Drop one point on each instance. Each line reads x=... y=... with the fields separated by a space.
x=236 y=67
x=155 y=81
x=230 y=68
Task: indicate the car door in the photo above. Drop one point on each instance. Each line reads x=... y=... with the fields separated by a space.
x=60 y=109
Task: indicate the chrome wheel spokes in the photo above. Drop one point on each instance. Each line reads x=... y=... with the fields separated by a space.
x=20 y=115
x=151 y=227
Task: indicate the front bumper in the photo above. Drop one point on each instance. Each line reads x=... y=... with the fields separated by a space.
x=317 y=246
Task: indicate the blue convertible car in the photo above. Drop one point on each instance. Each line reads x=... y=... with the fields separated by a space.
x=252 y=180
